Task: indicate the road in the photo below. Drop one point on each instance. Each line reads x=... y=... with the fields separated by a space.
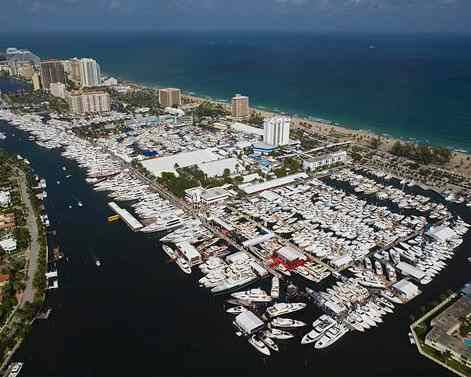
x=33 y=252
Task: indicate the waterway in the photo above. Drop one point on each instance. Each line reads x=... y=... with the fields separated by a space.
x=138 y=315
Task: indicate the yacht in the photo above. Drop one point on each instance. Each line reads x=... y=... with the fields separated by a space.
x=169 y=251
x=236 y=310
x=278 y=334
x=234 y=282
x=254 y=295
x=15 y=369
x=331 y=336
x=320 y=326
x=284 y=308
x=183 y=264
x=270 y=343
x=259 y=345
x=287 y=322
x=275 y=288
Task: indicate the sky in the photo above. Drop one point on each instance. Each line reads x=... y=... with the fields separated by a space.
x=390 y=16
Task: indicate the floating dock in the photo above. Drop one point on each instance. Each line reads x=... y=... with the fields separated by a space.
x=126 y=216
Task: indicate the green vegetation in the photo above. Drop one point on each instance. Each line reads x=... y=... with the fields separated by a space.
x=465 y=328
x=16 y=319
x=38 y=98
x=290 y=165
x=191 y=176
x=255 y=119
x=208 y=110
x=133 y=100
x=95 y=131
x=375 y=142
x=422 y=153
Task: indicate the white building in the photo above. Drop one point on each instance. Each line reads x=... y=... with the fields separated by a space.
x=240 y=106
x=5 y=198
x=406 y=290
x=110 y=82
x=90 y=74
x=276 y=130
x=57 y=89
x=170 y=97
x=189 y=252
x=8 y=244
x=90 y=102
x=324 y=160
x=175 y=112
x=199 y=195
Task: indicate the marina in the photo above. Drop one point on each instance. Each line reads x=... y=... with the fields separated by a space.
x=301 y=227
x=299 y=265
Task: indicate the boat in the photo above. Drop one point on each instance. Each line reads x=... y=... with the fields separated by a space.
x=254 y=295
x=287 y=322
x=15 y=369
x=169 y=251
x=236 y=309
x=275 y=287
x=320 y=326
x=331 y=336
x=278 y=334
x=284 y=308
x=270 y=343
x=259 y=345
x=183 y=264
x=233 y=282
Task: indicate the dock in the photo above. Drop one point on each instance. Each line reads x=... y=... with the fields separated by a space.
x=124 y=214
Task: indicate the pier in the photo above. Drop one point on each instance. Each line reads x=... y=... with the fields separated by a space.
x=124 y=214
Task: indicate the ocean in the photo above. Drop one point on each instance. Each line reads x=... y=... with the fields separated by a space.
x=414 y=87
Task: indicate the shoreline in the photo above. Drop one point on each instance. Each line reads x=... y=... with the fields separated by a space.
x=304 y=117
x=328 y=128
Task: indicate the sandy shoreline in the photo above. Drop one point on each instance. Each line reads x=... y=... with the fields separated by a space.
x=460 y=162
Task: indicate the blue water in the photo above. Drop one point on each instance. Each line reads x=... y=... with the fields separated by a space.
x=406 y=86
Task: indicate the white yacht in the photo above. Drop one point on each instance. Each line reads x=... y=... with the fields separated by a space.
x=284 y=308
x=287 y=322
x=169 y=251
x=259 y=345
x=233 y=282
x=270 y=343
x=275 y=288
x=236 y=310
x=331 y=336
x=320 y=326
x=254 y=295
x=278 y=334
x=183 y=264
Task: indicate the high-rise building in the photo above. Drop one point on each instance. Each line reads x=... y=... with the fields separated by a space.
x=57 y=89
x=240 y=106
x=24 y=69
x=90 y=75
x=89 y=102
x=36 y=81
x=75 y=70
x=276 y=130
x=13 y=54
x=52 y=71
x=170 y=97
